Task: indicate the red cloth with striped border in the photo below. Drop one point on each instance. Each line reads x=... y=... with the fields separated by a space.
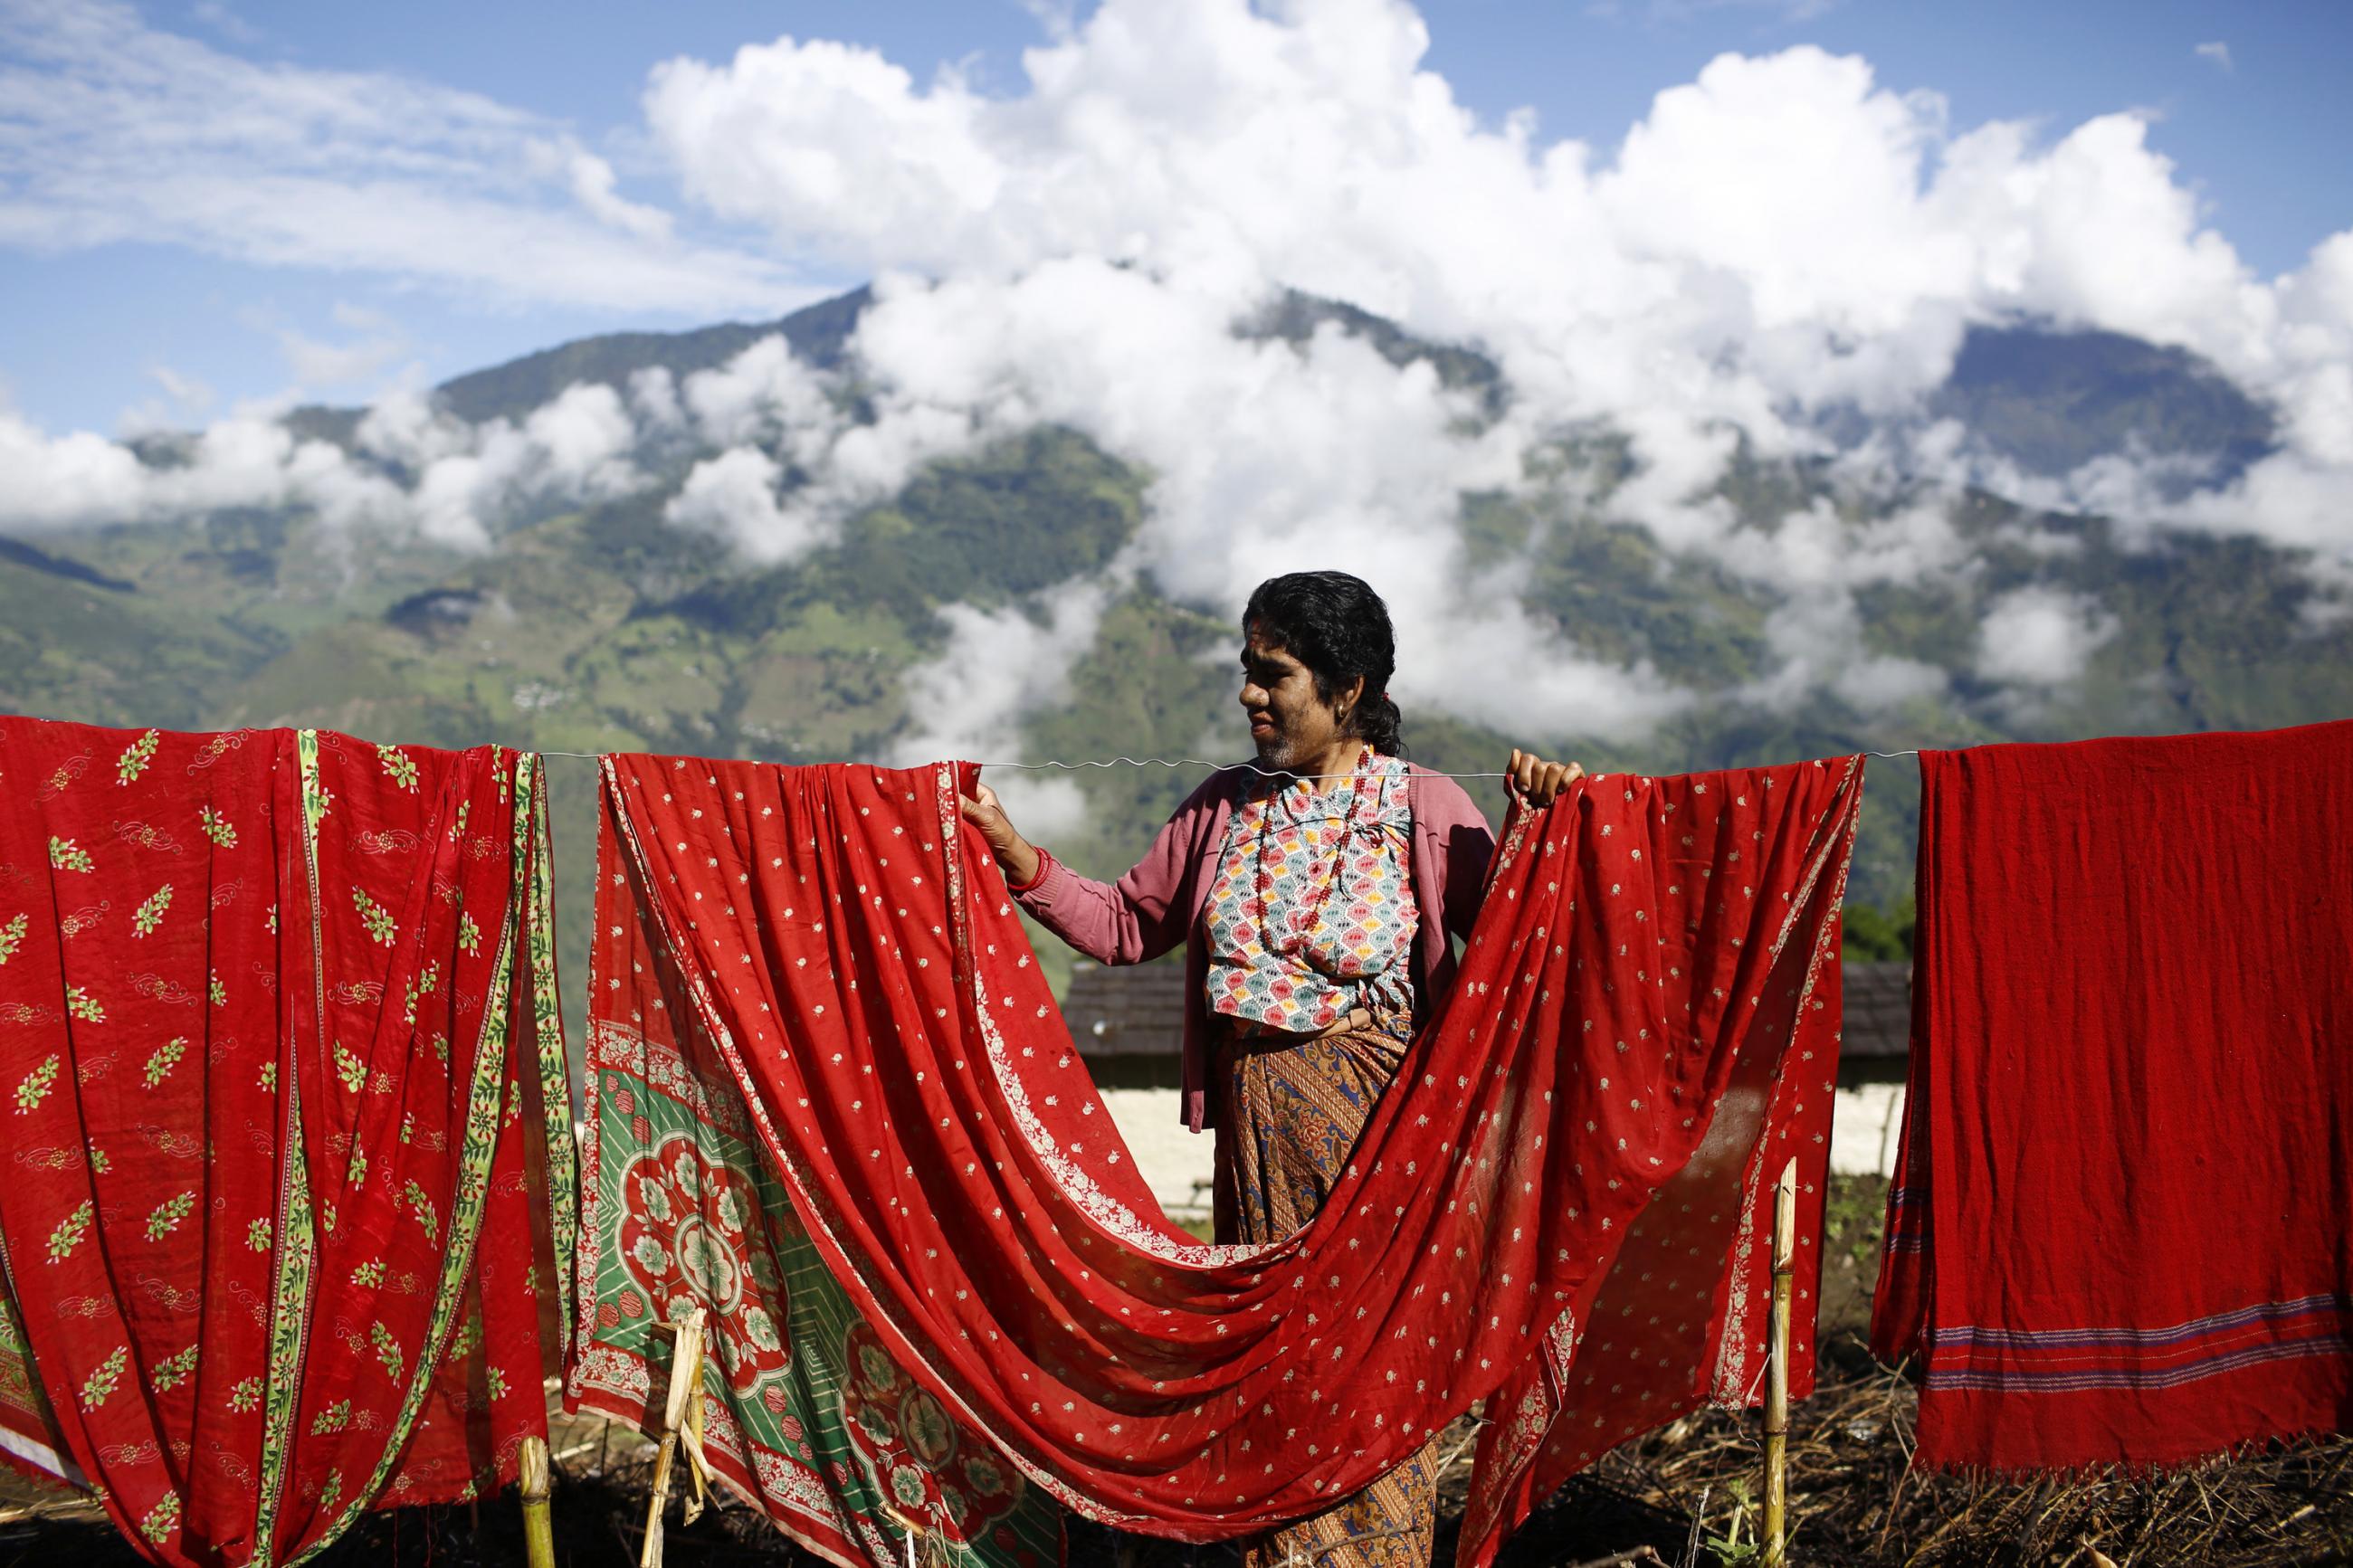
x=289 y=1150
x=2122 y=1227
x=1639 y=1006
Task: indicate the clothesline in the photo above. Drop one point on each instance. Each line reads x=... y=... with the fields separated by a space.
x=1185 y=763
x=883 y=1269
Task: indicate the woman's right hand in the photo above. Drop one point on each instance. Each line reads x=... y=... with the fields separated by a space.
x=1015 y=854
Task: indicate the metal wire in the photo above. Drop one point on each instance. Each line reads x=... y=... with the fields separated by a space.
x=1181 y=762
x=1200 y=763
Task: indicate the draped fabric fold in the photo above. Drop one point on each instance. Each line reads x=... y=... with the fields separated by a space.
x=2121 y=1231
x=1646 y=1011
x=290 y=1158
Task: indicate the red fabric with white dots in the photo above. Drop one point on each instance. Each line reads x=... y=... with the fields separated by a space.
x=1572 y=1179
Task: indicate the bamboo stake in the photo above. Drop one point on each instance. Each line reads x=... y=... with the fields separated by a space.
x=1777 y=1368
x=685 y=1377
x=532 y=1472
x=697 y=1465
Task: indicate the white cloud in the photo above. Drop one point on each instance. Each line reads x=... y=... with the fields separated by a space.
x=1818 y=645
x=1671 y=11
x=1781 y=235
x=224 y=22
x=317 y=365
x=2220 y=53
x=593 y=184
x=574 y=448
x=120 y=131
x=80 y=479
x=324 y=364
x=582 y=441
x=764 y=391
x=734 y=495
x=1816 y=560
x=653 y=393
x=466 y=478
x=2041 y=637
x=403 y=427
x=184 y=401
x=1266 y=458
x=766 y=399
x=54 y=483
x=998 y=665
x=1471 y=650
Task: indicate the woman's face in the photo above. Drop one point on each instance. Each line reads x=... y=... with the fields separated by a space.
x=1288 y=724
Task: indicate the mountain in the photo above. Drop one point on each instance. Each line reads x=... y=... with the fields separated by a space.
x=817 y=334
x=602 y=627
x=2052 y=401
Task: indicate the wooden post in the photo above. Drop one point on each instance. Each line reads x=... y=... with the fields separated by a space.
x=693 y=1439
x=1777 y=1368
x=532 y=1476
x=685 y=1378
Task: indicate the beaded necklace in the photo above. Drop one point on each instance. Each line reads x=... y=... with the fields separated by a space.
x=1304 y=919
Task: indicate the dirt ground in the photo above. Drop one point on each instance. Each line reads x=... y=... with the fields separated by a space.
x=1687 y=1492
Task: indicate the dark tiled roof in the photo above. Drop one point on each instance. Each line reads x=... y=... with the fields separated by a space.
x=1878 y=1011
x=1140 y=1011
x=1133 y=1011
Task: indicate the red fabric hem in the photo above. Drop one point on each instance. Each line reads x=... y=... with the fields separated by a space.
x=2222 y=1416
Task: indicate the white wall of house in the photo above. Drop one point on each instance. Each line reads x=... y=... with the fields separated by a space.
x=1868 y=1125
x=1172 y=1158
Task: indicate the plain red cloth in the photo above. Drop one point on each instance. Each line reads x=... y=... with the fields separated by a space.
x=2120 y=1228
x=1639 y=1014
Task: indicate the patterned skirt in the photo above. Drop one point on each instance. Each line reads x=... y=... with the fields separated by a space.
x=1288 y=1111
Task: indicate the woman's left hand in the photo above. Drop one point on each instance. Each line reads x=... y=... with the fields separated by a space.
x=1539 y=780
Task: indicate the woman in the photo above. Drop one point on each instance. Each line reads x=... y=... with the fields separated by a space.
x=1316 y=894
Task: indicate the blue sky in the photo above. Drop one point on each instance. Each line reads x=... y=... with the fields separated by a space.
x=112 y=310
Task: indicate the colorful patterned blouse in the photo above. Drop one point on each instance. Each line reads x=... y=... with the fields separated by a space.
x=1301 y=927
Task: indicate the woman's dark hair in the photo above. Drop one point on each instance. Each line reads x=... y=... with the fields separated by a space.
x=1337 y=626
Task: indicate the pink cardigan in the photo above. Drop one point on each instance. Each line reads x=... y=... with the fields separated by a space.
x=1158 y=903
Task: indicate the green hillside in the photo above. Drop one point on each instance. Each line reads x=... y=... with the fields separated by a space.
x=604 y=628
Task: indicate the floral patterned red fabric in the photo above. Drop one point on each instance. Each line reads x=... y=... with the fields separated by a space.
x=289 y=1136
x=805 y=1414
x=1645 y=1009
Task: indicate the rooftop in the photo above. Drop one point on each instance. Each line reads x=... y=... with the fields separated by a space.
x=1139 y=1011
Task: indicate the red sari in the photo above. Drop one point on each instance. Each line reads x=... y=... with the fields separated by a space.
x=288 y=1117
x=1564 y=1212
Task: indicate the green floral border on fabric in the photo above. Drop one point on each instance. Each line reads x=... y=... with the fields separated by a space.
x=802 y=1344
x=554 y=1071
x=20 y=1379
x=296 y=1238
x=485 y=1101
